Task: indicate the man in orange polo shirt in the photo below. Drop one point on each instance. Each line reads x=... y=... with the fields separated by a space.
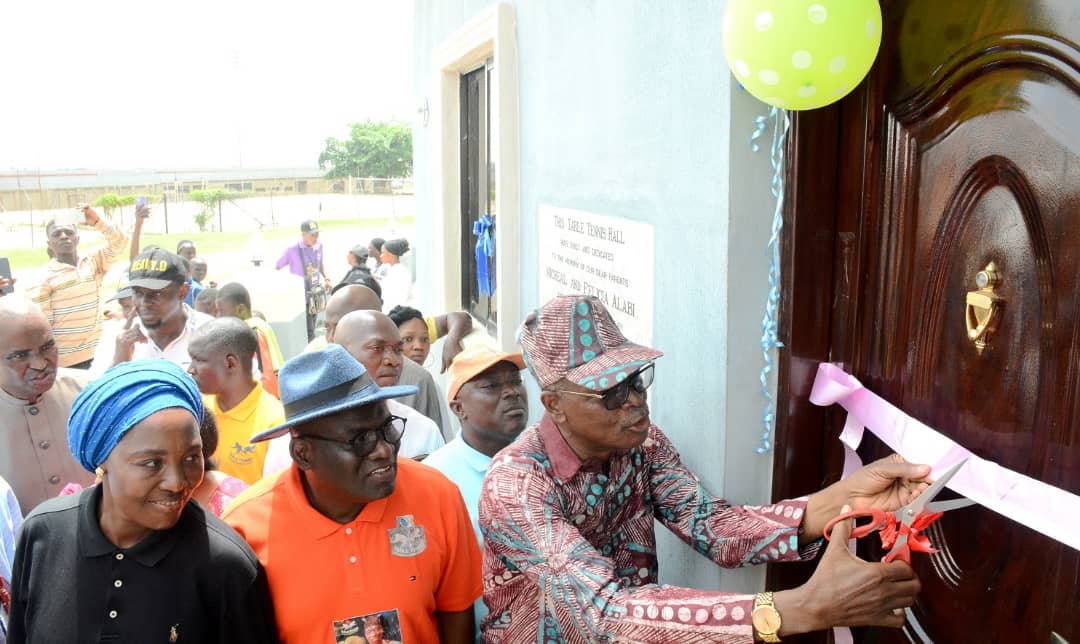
x=349 y=534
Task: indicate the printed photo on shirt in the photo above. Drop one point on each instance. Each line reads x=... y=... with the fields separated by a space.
x=376 y=628
x=407 y=539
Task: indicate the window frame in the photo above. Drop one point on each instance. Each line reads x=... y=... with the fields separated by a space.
x=489 y=35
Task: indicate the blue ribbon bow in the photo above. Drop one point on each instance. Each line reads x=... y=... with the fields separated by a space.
x=485 y=254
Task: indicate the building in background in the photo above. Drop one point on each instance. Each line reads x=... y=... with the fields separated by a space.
x=605 y=150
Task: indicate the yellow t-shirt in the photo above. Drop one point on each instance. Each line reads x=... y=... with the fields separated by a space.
x=236 y=454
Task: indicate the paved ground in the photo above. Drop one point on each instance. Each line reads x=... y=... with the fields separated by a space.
x=276 y=293
x=263 y=217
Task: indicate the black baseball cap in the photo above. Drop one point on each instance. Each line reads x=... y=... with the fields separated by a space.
x=310 y=226
x=156 y=268
x=123 y=292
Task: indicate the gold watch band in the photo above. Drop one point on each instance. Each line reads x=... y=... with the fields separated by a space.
x=766 y=618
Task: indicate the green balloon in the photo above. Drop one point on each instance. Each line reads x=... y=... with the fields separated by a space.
x=801 y=54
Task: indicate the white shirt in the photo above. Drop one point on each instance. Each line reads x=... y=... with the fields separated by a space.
x=396 y=287
x=106 y=348
x=422 y=436
x=177 y=350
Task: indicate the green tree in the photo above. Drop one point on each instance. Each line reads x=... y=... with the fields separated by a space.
x=112 y=201
x=373 y=150
x=208 y=201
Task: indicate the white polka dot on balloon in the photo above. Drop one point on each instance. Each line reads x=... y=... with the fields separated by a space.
x=763 y=21
x=795 y=55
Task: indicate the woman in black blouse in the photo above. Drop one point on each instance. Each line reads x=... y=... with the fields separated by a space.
x=130 y=560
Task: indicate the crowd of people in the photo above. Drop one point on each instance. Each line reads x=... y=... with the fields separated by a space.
x=182 y=481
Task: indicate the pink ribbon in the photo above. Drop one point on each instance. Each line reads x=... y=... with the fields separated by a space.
x=1037 y=505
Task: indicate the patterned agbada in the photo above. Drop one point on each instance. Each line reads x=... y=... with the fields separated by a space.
x=570 y=552
x=70 y=297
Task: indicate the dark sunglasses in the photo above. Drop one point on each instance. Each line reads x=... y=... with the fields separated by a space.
x=617 y=396
x=364 y=443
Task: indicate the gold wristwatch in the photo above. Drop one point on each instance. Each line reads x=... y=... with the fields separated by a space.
x=766 y=618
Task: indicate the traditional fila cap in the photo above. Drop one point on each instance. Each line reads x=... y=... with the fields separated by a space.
x=474 y=361
x=155 y=268
x=574 y=337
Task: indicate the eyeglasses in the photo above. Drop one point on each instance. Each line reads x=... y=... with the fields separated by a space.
x=364 y=443
x=617 y=396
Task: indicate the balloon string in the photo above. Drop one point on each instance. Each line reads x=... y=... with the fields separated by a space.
x=769 y=334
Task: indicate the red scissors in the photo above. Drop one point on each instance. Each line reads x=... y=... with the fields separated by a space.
x=901 y=531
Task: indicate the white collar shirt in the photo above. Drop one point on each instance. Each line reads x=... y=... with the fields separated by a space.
x=177 y=350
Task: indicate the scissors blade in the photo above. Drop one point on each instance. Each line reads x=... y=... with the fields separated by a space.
x=908 y=513
x=951 y=504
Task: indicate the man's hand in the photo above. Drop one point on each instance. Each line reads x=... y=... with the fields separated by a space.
x=4 y=283
x=126 y=339
x=450 y=348
x=847 y=591
x=454 y=326
x=90 y=214
x=142 y=212
x=886 y=484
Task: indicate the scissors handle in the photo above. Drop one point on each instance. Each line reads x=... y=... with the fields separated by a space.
x=901 y=551
x=878 y=519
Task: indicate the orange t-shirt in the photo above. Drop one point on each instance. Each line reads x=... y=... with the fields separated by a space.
x=400 y=560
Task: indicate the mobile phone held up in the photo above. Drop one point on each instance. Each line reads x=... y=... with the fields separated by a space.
x=140 y=203
x=5 y=272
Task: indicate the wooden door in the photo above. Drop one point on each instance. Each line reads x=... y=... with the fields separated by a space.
x=961 y=149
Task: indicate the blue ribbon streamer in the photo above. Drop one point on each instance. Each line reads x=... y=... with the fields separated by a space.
x=769 y=333
x=485 y=253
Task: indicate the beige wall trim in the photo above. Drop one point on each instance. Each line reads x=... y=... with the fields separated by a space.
x=491 y=33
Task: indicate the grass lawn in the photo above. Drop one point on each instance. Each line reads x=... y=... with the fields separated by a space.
x=211 y=243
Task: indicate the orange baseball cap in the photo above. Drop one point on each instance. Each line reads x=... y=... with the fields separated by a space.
x=474 y=361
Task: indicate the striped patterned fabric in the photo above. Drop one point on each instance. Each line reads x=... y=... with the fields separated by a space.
x=70 y=296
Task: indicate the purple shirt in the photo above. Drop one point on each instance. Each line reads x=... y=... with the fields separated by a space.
x=297 y=255
x=570 y=553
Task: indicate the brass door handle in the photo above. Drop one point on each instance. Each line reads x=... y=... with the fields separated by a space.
x=982 y=306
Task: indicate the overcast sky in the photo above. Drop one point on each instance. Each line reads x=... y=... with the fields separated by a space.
x=199 y=83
